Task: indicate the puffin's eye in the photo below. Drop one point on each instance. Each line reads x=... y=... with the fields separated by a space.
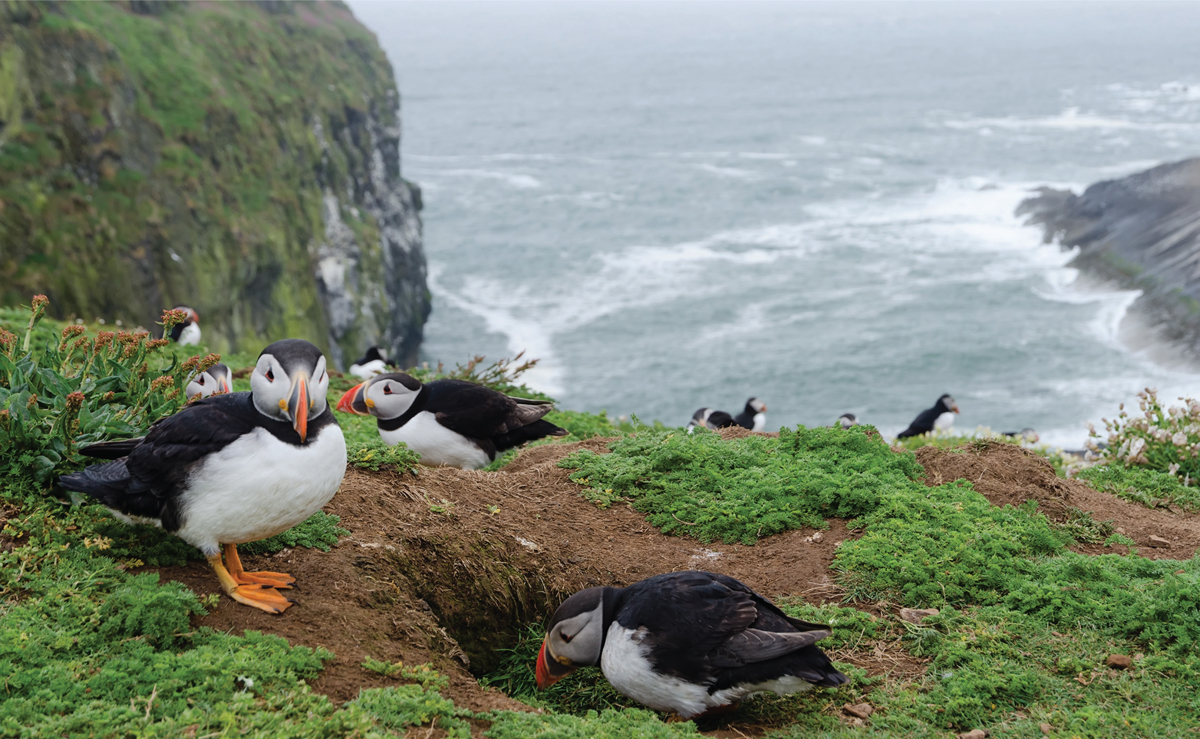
x=200 y=381
x=565 y=636
x=387 y=389
x=270 y=376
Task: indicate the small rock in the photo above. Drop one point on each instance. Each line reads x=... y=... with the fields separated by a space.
x=973 y=734
x=818 y=536
x=855 y=721
x=1120 y=529
x=1119 y=661
x=917 y=615
x=859 y=710
x=1158 y=542
x=1046 y=728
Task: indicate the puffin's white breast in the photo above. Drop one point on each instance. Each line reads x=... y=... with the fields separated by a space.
x=437 y=445
x=367 y=370
x=259 y=486
x=944 y=421
x=760 y=422
x=190 y=335
x=625 y=665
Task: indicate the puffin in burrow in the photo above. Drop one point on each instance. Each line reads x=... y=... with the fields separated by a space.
x=188 y=332
x=216 y=379
x=372 y=363
x=753 y=416
x=452 y=423
x=720 y=420
x=231 y=468
x=685 y=642
x=940 y=418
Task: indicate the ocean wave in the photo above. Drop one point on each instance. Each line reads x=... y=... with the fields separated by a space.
x=1069 y=120
x=519 y=181
x=734 y=172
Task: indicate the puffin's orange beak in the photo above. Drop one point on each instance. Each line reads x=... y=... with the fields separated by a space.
x=352 y=402
x=548 y=672
x=224 y=385
x=954 y=407
x=298 y=405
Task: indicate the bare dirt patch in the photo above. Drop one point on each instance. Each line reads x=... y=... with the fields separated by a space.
x=1006 y=474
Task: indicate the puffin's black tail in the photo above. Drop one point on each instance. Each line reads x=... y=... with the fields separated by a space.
x=105 y=482
x=518 y=436
x=111 y=449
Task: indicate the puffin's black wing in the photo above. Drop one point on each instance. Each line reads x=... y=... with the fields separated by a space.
x=111 y=449
x=482 y=413
x=922 y=424
x=148 y=481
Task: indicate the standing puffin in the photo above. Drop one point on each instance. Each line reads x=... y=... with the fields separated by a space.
x=231 y=468
x=216 y=379
x=188 y=332
x=685 y=642
x=753 y=416
x=452 y=423
x=940 y=417
x=370 y=364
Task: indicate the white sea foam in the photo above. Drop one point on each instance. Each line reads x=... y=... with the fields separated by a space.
x=741 y=174
x=519 y=181
x=1070 y=119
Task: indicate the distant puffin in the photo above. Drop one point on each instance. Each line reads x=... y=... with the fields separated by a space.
x=699 y=418
x=685 y=642
x=231 y=468
x=1025 y=434
x=753 y=416
x=370 y=364
x=720 y=420
x=216 y=379
x=847 y=420
x=939 y=417
x=188 y=332
x=450 y=423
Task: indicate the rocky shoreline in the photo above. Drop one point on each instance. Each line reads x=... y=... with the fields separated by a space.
x=1139 y=232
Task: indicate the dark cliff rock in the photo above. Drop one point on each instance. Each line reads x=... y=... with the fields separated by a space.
x=1141 y=231
x=241 y=158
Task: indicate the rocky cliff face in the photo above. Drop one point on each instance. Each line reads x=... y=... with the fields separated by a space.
x=241 y=158
x=1143 y=232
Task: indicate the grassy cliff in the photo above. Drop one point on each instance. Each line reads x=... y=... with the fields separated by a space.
x=241 y=158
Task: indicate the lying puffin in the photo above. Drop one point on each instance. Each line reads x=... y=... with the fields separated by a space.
x=847 y=420
x=370 y=364
x=452 y=423
x=685 y=642
x=940 y=417
x=720 y=420
x=188 y=332
x=699 y=418
x=216 y=379
x=753 y=416
x=231 y=468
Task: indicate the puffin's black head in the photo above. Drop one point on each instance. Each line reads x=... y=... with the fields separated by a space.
x=192 y=318
x=374 y=353
x=946 y=404
x=846 y=420
x=281 y=383
x=575 y=637
x=754 y=405
x=384 y=396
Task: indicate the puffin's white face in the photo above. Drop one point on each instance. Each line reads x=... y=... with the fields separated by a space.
x=757 y=405
x=573 y=641
x=385 y=396
x=201 y=386
x=388 y=398
x=948 y=403
x=290 y=382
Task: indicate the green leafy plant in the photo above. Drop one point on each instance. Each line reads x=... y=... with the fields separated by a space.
x=374 y=453
x=80 y=389
x=1149 y=487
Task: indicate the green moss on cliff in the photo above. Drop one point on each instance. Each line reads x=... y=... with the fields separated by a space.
x=198 y=155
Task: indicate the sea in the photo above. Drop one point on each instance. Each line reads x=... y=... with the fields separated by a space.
x=682 y=204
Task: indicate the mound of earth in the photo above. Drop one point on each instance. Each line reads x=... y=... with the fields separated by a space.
x=1006 y=474
x=446 y=565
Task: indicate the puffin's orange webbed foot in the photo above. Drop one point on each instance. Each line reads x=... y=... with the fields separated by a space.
x=253 y=594
x=264 y=578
